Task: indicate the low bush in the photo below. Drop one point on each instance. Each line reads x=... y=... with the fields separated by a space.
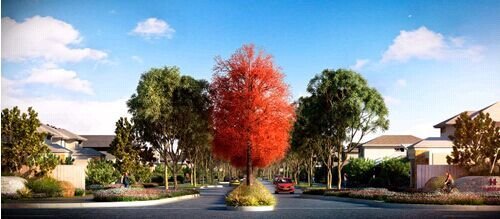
x=150 y=185
x=421 y=198
x=255 y=195
x=67 y=189
x=314 y=191
x=79 y=192
x=50 y=187
x=101 y=172
x=434 y=184
x=137 y=194
x=359 y=171
x=24 y=193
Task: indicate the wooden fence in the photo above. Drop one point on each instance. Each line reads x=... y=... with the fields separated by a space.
x=75 y=174
x=425 y=172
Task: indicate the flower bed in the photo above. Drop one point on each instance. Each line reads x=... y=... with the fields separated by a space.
x=255 y=195
x=492 y=198
x=137 y=194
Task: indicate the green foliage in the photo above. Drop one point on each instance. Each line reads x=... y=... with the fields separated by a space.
x=21 y=143
x=79 y=192
x=101 y=172
x=359 y=171
x=47 y=185
x=340 y=111
x=254 y=195
x=395 y=172
x=167 y=108
x=476 y=143
x=24 y=193
x=47 y=163
x=69 y=160
x=434 y=184
x=142 y=174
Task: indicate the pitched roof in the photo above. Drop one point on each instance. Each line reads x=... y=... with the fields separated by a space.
x=59 y=133
x=86 y=152
x=97 y=141
x=433 y=142
x=392 y=140
x=55 y=148
x=493 y=110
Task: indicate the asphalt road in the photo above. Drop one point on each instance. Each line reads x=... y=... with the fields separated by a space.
x=211 y=205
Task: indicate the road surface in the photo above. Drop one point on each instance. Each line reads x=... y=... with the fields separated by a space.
x=211 y=205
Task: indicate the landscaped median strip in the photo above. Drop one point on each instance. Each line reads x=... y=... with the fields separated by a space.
x=100 y=204
x=382 y=204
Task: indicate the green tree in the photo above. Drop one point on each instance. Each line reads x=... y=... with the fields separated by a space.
x=165 y=107
x=22 y=144
x=344 y=110
x=47 y=162
x=101 y=172
x=476 y=144
x=359 y=171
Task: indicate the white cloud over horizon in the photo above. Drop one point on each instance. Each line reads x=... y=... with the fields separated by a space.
x=58 y=77
x=425 y=44
x=80 y=117
x=153 y=28
x=360 y=63
x=44 y=38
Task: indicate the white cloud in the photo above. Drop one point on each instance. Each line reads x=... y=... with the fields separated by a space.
x=46 y=38
x=81 y=117
x=423 y=43
x=360 y=63
x=401 y=82
x=153 y=28
x=58 y=77
x=137 y=59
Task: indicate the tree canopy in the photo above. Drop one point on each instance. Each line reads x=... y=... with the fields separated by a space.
x=22 y=144
x=476 y=144
x=252 y=115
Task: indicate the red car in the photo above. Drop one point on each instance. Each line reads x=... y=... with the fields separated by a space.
x=284 y=185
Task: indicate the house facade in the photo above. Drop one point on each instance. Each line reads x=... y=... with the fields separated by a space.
x=65 y=144
x=434 y=150
x=387 y=146
x=100 y=143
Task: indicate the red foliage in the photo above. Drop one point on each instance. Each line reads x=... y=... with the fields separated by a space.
x=251 y=105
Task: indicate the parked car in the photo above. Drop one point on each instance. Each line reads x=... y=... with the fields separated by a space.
x=284 y=185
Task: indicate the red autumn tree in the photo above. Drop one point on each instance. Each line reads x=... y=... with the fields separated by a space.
x=252 y=115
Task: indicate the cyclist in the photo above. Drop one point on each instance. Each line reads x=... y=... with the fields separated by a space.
x=449 y=182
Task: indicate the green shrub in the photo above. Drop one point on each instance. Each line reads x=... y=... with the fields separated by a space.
x=101 y=172
x=142 y=174
x=434 y=184
x=255 y=195
x=46 y=185
x=394 y=172
x=79 y=192
x=359 y=171
x=150 y=185
x=314 y=191
x=24 y=193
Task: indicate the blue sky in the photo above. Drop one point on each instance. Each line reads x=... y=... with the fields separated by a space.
x=77 y=62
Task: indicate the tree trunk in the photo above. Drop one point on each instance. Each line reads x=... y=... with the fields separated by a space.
x=339 y=168
x=166 y=175
x=174 y=173
x=249 y=164
x=329 y=175
x=309 y=174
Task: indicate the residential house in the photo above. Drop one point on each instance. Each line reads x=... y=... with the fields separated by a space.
x=64 y=144
x=387 y=146
x=433 y=150
x=100 y=143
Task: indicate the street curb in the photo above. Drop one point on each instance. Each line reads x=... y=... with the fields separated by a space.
x=99 y=204
x=382 y=204
x=250 y=208
x=211 y=186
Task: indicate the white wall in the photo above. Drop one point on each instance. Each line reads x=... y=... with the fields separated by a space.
x=375 y=153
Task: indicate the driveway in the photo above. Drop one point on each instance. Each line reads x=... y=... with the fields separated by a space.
x=211 y=205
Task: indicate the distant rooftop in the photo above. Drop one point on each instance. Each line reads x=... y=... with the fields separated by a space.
x=59 y=133
x=392 y=140
x=493 y=110
x=98 y=141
